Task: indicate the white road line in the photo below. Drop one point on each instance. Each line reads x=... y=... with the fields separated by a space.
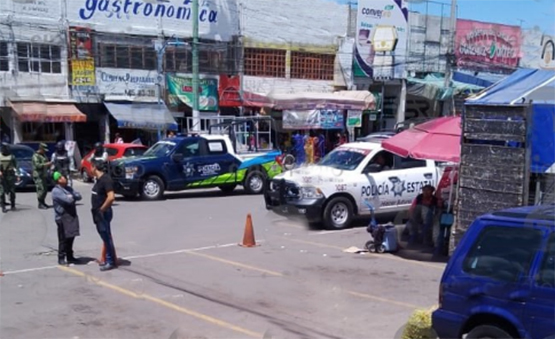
x=198 y=249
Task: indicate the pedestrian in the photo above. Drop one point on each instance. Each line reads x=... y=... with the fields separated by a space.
x=8 y=177
x=119 y=139
x=422 y=215
x=64 y=199
x=62 y=161
x=40 y=174
x=102 y=199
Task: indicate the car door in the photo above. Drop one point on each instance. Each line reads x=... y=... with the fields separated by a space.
x=416 y=174
x=539 y=309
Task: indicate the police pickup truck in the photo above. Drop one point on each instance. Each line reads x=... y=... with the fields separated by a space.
x=347 y=183
x=187 y=162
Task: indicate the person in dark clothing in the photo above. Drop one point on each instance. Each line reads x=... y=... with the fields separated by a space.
x=102 y=199
x=65 y=215
x=421 y=216
x=62 y=161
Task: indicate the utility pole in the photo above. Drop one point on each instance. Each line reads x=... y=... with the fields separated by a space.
x=196 y=111
x=451 y=52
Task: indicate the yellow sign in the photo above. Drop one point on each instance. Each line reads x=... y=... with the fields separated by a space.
x=83 y=72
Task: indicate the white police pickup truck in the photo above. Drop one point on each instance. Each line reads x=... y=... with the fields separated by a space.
x=348 y=180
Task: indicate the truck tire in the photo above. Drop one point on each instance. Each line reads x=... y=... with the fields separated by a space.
x=152 y=188
x=338 y=213
x=227 y=189
x=488 y=332
x=254 y=182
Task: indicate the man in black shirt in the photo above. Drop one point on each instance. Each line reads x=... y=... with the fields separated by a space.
x=101 y=201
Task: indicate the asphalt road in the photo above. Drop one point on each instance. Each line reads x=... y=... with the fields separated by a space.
x=185 y=277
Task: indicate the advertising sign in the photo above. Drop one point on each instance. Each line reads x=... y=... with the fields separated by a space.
x=218 y=19
x=81 y=57
x=39 y=9
x=180 y=89
x=480 y=45
x=82 y=72
x=381 y=39
x=354 y=118
x=313 y=119
x=123 y=84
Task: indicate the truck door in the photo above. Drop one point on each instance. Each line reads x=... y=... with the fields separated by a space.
x=213 y=166
x=416 y=174
x=381 y=184
x=180 y=173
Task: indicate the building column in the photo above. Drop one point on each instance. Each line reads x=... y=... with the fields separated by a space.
x=288 y=64
x=401 y=108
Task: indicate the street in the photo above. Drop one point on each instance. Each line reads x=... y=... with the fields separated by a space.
x=183 y=275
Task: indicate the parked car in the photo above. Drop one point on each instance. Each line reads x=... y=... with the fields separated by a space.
x=23 y=155
x=115 y=151
x=377 y=136
x=500 y=281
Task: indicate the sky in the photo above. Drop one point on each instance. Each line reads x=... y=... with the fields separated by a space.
x=524 y=13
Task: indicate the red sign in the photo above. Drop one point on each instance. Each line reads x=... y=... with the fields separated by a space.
x=484 y=46
x=229 y=91
x=80 y=43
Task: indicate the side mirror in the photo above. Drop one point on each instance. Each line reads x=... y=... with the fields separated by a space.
x=373 y=168
x=177 y=157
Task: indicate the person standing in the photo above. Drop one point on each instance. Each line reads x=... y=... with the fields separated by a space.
x=62 y=161
x=102 y=198
x=119 y=139
x=40 y=173
x=8 y=175
x=65 y=215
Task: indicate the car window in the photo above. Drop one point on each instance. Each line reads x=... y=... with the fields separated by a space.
x=189 y=148
x=344 y=158
x=546 y=276
x=383 y=158
x=503 y=253
x=134 y=152
x=405 y=163
x=22 y=153
x=216 y=147
x=111 y=151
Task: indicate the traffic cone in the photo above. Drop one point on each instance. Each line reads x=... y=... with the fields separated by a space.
x=248 y=237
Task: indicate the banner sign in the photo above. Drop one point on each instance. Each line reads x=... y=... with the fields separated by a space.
x=180 y=89
x=313 y=119
x=354 y=118
x=381 y=39
x=480 y=45
x=83 y=73
x=81 y=57
x=127 y=84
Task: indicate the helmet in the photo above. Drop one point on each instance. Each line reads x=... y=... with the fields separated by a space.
x=60 y=146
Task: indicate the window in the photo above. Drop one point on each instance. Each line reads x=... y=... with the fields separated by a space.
x=189 y=149
x=546 y=276
x=22 y=153
x=503 y=253
x=312 y=66
x=39 y=58
x=130 y=57
x=181 y=60
x=112 y=152
x=4 y=56
x=383 y=158
x=49 y=132
x=134 y=152
x=265 y=62
x=216 y=148
x=405 y=163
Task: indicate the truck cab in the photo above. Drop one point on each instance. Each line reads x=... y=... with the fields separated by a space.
x=188 y=162
x=349 y=182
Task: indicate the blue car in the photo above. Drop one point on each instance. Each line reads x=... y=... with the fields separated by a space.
x=23 y=155
x=500 y=282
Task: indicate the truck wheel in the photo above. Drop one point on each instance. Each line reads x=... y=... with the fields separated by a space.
x=227 y=189
x=254 y=182
x=152 y=188
x=488 y=332
x=338 y=213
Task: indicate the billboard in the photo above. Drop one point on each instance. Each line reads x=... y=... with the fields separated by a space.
x=381 y=39
x=81 y=57
x=218 y=19
x=486 y=46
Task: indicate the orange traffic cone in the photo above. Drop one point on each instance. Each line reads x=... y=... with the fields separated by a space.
x=248 y=237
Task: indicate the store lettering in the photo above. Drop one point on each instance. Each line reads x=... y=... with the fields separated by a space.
x=376 y=13
x=126 y=8
x=127 y=78
x=374 y=190
x=417 y=185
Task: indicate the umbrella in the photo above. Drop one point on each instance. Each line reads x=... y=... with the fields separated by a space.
x=438 y=139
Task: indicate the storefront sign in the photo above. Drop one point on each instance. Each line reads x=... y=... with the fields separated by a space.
x=122 y=84
x=80 y=43
x=217 y=18
x=354 y=118
x=482 y=45
x=82 y=72
x=229 y=91
x=180 y=89
x=314 y=119
x=382 y=30
x=44 y=9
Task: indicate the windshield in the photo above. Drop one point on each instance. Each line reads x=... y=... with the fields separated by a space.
x=22 y=153
x=160 y=149
x=346 y=159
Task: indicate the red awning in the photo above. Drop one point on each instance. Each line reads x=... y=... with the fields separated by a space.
x=47 y=112
x=230 y=94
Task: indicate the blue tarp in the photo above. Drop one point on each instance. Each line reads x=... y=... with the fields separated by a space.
x=543 y=138
x=470 y=79
x=514 y=88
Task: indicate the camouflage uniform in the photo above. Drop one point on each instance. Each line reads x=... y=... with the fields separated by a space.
x=8 y=168
x=40 y=173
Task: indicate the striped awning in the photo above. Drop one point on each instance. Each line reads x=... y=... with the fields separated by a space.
x=47 y=112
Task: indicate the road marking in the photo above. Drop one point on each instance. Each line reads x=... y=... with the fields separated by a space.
x=237 y=264
x=129 y=293
x=384 y=300
x=385 y=256
x=336 y=232
x=30 y=270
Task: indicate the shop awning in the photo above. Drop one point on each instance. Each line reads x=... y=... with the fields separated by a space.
x=142 y=116
x=350 y=100
x=47 y=112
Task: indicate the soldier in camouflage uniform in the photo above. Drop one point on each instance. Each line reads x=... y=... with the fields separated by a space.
x=40 y=173
x=8 y=175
